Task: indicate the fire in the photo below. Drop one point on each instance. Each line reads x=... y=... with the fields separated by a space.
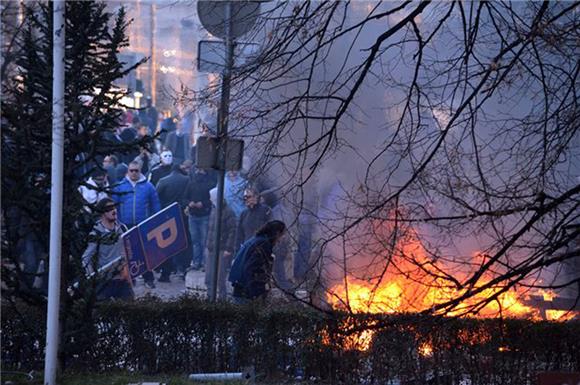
x=403 y=295
x=503 y=349
x=548 y=295
x=426 y=349
x=363 y=298
x=559 y=315
x=407 y=287
x=360 y=341
x=348 y=338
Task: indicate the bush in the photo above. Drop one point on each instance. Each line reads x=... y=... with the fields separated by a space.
x=190 y=335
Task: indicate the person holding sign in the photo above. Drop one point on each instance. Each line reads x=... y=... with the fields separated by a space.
x=104 y=254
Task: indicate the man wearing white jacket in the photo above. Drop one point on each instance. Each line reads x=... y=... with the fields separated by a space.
x=95 y=188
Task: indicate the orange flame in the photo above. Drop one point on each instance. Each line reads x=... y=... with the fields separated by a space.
x=426 y=349
x=407 y=288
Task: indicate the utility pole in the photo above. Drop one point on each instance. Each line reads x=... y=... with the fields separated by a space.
x=227 y=20
x=56 y=192
x=222 y=135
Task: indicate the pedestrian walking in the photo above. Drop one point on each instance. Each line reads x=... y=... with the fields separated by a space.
x=170 y=189
x=198 y=208
x=234 y=186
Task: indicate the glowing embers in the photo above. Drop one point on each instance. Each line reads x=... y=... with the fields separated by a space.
x=426 y=350
x=350 y=334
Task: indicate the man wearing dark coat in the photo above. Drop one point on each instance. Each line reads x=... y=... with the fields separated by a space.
x=252 y=218
x=170 y=189
x=178 y=143
x=251 y=270
x=163 y=169
x=198 y=207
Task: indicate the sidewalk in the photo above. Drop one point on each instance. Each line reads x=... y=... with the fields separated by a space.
x=194 y=283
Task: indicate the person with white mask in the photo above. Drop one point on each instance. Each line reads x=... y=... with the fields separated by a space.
x=163 y=169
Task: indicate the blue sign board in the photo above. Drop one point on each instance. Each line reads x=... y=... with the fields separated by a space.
x=155 y=240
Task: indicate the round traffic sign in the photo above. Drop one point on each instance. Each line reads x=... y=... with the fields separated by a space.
x=212 y=15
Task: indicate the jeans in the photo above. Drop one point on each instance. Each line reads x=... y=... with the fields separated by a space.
x=198 y=229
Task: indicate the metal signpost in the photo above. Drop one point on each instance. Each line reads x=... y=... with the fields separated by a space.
x=227 y=20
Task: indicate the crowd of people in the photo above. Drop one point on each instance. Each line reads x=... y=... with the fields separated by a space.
x=131 y=186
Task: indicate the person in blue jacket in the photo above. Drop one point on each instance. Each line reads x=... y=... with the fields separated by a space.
x=137 y=200
x=251 y=270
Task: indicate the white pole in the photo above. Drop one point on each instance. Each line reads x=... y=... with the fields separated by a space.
x=52 y=318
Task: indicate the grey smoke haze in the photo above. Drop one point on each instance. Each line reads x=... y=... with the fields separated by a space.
x=372 y=120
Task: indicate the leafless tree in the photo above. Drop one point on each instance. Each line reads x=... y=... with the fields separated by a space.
x=449 y=126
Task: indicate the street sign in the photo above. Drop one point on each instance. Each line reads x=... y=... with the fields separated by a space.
x=155 y=240
x=211 y=55
x=212 y=15
x=225 y=154
x=227 y=20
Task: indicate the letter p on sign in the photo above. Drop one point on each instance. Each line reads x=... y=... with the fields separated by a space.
x=165 y=234
x=160 y=237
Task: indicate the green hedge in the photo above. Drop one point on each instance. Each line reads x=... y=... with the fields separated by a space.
x=189 y=335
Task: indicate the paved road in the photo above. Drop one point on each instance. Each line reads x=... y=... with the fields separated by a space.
x=193 y=283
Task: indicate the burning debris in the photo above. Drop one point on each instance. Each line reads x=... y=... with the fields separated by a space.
x=408 y=285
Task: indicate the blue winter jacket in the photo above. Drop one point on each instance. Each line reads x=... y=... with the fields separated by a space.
x=252 y=267
x=135 y=204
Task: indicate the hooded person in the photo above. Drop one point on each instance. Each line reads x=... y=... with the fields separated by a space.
x=115 y=170
x=251 y=271
x=171 y=188
x=163 y=168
